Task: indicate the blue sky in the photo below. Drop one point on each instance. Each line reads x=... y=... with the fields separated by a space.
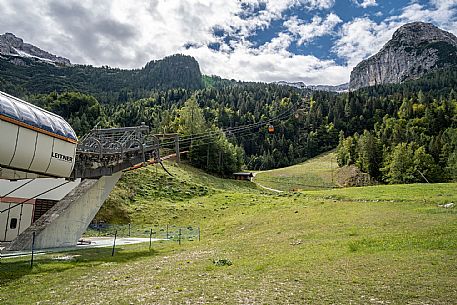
x=314 y=41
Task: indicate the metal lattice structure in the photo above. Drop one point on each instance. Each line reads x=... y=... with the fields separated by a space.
x=103 y=152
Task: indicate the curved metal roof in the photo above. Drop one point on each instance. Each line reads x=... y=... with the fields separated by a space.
x=32 y=115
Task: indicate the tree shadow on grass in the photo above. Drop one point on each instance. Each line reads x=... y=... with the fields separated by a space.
x=14 y=269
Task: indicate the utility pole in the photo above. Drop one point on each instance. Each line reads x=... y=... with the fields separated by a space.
x=192 y=126
x=220 y=160
x=178 y=154
x=331 y=167
x=207 y=158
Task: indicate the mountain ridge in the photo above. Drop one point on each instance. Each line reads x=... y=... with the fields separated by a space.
x=11 y=45
x=21 y=76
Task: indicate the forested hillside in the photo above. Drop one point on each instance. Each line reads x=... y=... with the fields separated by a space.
x=25 y=76
x=416 y=140
x=225 y=123
x=247 y=109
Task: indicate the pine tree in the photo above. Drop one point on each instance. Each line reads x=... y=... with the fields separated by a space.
x=399 y=165
x=369 y=155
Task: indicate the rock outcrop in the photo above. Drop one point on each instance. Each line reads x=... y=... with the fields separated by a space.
x=328 y=88
x=351 y=176
x=415 y=49
x=15 y=46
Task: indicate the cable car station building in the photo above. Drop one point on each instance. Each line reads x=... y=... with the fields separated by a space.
x=51 y=184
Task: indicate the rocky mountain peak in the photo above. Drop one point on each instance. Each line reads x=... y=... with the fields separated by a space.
x=11 y=39
x=415 y=49
x=14 y=46
x=419 y=32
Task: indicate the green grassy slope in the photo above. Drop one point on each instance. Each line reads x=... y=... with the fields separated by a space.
x=370 y=245
x=150 y=196
x=316 y=173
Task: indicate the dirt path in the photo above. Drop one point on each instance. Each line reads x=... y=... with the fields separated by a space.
x=264 y=187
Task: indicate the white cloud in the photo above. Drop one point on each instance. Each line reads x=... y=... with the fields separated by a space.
x=242 y=27
x=365 y=3
x=307 y=31
x=443 y=14
x=159 y=27
x=264 y=65
x=318 y=4
x=444 y=4
x=128 y=34
x=278 y=44
x=361 y=38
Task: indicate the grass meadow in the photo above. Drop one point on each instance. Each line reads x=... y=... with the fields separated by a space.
x=370 y=245
x=316 y=173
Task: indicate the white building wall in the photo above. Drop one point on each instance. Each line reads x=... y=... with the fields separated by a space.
x=9 y=204
x=13 y=224
x=38 y=186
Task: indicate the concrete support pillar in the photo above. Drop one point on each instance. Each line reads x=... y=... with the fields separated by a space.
x=64 y=224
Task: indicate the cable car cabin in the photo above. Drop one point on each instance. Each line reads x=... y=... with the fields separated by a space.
x=271 y=129
x=34 y=142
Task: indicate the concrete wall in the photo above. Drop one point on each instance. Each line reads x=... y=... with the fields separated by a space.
x=64 y=224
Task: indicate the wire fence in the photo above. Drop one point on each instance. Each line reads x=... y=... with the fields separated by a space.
x=166 y=232
x=173 y=233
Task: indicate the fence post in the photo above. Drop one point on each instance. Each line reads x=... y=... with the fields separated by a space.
x=167 y=231
x=129 y=229
x=150 y=240
x=114 y=243
x=179 y=239
x=198 y=233
x=33 y=249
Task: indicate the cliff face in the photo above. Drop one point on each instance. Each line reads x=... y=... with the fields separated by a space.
x=414 y=50
x=12 y=45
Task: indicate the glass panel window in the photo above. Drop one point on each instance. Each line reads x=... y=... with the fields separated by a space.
x=13 y=223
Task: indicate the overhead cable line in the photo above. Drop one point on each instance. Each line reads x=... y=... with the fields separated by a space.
x=212 y=139
x=237 y=129
x=251 y=125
